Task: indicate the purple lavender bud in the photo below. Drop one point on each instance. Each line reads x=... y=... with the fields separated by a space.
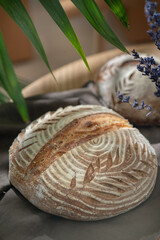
x=148 y=114
x=148 y=65
x=142 y=106
x=140 y=68
x=135 y=54
x=135 y=104
x=120 y=96
x=141 y=60
x=153 y=18
x=145 y=105
x=158 y=73
x=157 y=94
x=146 y=71
x=153 y=25
x=156 y=16
x=150 y=33
x=149 y=108
x=126 y=99
x=154 y=69
x=152 y=61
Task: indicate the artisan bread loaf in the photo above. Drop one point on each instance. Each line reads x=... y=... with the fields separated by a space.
x=83 y=163
x=121 y=74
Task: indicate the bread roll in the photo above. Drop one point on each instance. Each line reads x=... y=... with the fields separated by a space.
x=83 y=163
x=121 y=74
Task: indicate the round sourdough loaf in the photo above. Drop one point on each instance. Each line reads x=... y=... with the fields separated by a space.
x=121 y=74
x=83 y=163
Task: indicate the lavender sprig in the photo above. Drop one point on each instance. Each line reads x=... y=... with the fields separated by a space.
x=126 y=99
x=148 y=67
x=153 y=18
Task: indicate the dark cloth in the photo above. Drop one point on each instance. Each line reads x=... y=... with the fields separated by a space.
x=10 y=121
x=19 y=219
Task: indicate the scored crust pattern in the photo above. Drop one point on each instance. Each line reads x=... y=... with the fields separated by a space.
x=83 y=163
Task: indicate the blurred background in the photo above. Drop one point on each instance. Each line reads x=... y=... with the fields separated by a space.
x=29 y=66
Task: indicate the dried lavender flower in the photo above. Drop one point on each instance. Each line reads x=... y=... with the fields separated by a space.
x=120 y=96
x=148 y=114
x=135 y=104
x=126 y=99
x=135 y=54
x=149 y=67
x=142 y=106
x=153 y=18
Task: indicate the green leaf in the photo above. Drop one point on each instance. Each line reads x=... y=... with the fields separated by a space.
x=58 y=14
x=3 y=97
x=93 y=14
x=9 y=81
x=18 y=13
x=117 y=7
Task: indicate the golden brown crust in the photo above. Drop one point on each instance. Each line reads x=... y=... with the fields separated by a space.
x=74 y=134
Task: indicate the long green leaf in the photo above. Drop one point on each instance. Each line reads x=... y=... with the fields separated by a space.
x=58 y=14
x=9 y=81
x=93 y=14
x=117 y=7
x=3 y=98
x=18 y=13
